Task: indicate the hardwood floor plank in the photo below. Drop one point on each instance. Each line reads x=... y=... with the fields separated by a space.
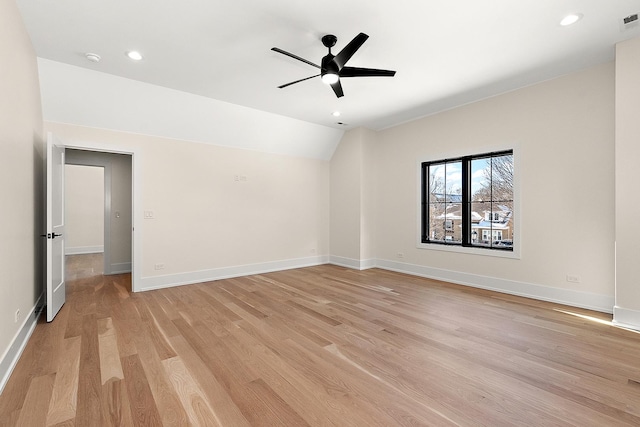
x=157 y=337
x=89 y=383
x=313 y=313
x=127 y=325
x=115 y=404
x=191 y=395
x=110 y=366
x=38 y=395
x=159 y=316
x=143 y=407
x=216 y=354
x=225 y=408
x=164 y=394
x=269 y=409
x=65 y=389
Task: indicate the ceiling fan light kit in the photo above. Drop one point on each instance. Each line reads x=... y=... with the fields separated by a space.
x=333 y=67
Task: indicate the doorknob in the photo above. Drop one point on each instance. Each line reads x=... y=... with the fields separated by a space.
x=50 y=235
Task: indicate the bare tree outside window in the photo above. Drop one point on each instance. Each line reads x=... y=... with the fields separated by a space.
x=445 y=209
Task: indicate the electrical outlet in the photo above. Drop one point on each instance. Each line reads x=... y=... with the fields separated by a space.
x=17 y=316
x=400 y=255
x=158 y=267
x=573 y=279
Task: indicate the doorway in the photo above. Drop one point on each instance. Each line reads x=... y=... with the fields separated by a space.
x=98 y=199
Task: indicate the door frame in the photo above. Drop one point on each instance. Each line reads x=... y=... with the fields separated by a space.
x=136 y=198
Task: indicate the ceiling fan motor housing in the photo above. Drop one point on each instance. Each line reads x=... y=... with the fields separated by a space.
x=328 y=65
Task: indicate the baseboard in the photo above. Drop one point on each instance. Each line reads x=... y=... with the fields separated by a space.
x=19 y=342
x=352 y=263
x=82 y=250
x=591 y=301
x=170 y=280
x=119 y=268
x=626 y=318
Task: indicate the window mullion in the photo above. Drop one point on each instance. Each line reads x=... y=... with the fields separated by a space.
x=466 y=202
x=425 y=202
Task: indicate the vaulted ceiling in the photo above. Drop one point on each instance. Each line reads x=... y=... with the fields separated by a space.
x=446 y=53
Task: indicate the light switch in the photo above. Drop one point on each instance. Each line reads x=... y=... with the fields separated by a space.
x=148 y=215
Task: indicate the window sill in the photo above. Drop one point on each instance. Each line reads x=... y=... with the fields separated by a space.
x=497 y=253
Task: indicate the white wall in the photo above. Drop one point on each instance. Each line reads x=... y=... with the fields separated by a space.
x=563 y=133
x=346 y=184
x=21 y=186
x=84 y=209
x=206 y=224
x=353 y=200
x=627 y=311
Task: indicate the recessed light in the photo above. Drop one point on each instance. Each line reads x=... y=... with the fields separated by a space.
x=336 y=114
x=134 y=55
x=93 y=57
x=571 y=19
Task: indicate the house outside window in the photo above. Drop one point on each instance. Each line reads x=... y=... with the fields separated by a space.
x=468 y=201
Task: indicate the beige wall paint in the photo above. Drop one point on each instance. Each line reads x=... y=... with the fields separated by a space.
x=563 y=131
x=345 y=212
x=21 y=179
x=204 y=218
x=627 y=206
x=84 y=208
x=352 y=206
x=368 y=197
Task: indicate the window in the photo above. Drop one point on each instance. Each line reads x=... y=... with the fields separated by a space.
x=468 y=201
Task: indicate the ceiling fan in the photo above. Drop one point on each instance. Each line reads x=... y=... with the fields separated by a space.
x=332 y=67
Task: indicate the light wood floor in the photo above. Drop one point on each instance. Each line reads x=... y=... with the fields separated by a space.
x=320 y=346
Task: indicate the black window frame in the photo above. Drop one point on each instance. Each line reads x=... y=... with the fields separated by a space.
x=466 y=202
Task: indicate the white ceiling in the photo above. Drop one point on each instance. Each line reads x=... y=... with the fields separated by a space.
x=446 y=53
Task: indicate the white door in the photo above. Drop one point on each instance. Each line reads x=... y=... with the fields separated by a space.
x=55 y=227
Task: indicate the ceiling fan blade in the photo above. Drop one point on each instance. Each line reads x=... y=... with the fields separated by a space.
x=297 y=81
x=365 y=72
x=337 y=89
x=291 y=55
x=347 y=52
